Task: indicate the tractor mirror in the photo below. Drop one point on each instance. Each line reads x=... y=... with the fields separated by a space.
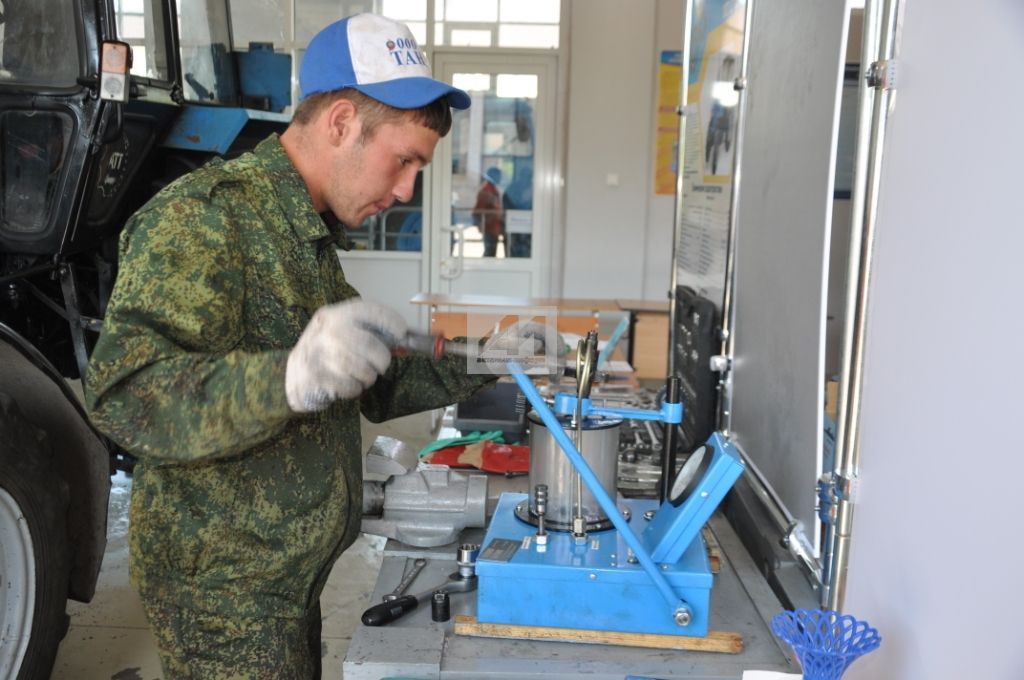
x=115 y=64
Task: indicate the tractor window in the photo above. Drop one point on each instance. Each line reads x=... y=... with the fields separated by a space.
x=32 y=149
x=143 y=25
x=207 y=69
x=38 y=42
x=207 y=66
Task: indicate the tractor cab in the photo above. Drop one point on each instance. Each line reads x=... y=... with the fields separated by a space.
x=102 y=103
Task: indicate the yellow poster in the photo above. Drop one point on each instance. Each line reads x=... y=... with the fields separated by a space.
x=669 y=84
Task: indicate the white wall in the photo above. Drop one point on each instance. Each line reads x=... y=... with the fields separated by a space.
x=618 y=239
x=936 y=548
x=387 y=278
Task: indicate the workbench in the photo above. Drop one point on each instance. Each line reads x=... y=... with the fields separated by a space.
x=416 y=647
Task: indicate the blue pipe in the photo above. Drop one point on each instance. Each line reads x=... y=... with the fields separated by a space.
x=594 y=484
x=565 y=404
x=602 y=358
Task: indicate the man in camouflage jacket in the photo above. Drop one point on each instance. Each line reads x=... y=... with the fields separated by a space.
x=235 y=361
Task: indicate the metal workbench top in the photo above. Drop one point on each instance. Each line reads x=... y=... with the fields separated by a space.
x=416 y=647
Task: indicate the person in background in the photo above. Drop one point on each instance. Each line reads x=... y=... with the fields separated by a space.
x=236 y=358
x=519 y=196
x=488 y=213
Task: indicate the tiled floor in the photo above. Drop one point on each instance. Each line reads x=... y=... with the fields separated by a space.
x=109 y=638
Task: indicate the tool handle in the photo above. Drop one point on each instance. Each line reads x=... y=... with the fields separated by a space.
x=386 y=612
x=422 y=343
x=433 y=346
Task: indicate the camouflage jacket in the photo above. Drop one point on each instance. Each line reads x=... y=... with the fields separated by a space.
x=239 y=505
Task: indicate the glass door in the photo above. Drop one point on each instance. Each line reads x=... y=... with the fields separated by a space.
x=493 y=177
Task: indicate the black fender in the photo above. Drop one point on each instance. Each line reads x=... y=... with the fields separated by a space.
x=82 y=456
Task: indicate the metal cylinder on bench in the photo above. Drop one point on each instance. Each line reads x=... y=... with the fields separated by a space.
x=550 y=466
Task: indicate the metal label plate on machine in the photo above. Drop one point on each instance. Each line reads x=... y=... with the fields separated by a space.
x=500 y=550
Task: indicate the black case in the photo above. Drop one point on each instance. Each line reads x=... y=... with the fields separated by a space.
x=501 y=408
x=696 y=341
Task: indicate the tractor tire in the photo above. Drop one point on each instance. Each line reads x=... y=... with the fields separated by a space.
x=34 y=557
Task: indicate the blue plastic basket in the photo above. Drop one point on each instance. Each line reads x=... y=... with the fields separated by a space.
x=826 y=642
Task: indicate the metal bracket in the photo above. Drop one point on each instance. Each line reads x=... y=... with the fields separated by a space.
x=720 y=363
x=69 y=286
x=795 y=540
x=881 y=75
x=827 y=499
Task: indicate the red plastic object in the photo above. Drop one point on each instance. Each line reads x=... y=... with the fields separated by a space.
x=490 y=457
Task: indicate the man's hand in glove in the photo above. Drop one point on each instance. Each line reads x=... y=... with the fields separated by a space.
x=338 y=355
x=525 y=342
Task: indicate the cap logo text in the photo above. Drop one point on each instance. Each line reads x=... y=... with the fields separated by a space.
x=406 y=52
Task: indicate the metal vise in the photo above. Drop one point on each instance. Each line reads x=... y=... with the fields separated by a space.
x=422 y=508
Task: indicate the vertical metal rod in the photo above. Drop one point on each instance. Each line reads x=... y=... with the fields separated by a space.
x=669 y=439
x=668 y=451
x=578 y=524
x=847 y=462
x=584 y=376
x=728 y=304
x=540 y=503
x=680 y=162
x=870 y=35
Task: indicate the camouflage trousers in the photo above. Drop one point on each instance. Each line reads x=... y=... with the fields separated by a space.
x=196 y=645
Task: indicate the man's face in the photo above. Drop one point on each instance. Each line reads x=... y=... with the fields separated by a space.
x=368 y=175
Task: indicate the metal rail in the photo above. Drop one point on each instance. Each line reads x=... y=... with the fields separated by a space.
x=878 y=51
x=680 y=159
x=728 y=337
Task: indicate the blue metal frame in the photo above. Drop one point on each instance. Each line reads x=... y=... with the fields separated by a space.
x=594 y=485
x=213 y=129
x=578 y=576
x=673 y=529
x=206 y=128
x=565 y=404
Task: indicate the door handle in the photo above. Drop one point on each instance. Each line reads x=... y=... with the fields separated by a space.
x=452 y=267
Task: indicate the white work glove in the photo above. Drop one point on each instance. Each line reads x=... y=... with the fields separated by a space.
x=524 y=342
x=340 y=354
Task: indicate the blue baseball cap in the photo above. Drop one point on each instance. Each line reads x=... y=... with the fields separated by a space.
x=493 y=175
x=378 y=57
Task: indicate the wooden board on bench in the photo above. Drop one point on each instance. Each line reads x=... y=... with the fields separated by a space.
x=716 y=641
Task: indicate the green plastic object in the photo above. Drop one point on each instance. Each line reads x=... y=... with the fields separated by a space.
x=471 y=438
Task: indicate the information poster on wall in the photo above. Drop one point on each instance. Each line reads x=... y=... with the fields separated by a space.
x=670 y=73
x=716 y=46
